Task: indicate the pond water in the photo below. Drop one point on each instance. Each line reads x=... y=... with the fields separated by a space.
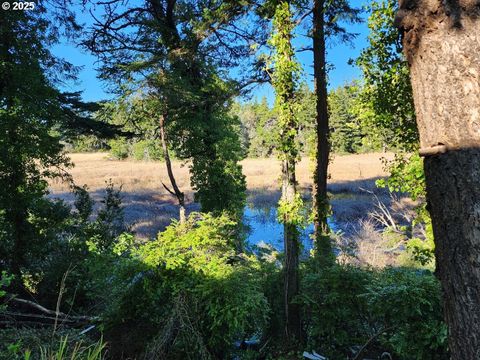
x=265 y=229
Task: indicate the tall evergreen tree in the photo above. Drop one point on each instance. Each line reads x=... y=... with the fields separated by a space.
x=327 y=23
x=34 y=115
x=345 y=126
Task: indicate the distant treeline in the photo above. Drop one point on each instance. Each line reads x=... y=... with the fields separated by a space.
x=351 y=129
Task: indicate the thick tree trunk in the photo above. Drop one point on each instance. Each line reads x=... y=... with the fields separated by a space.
x=320 y=201
x=442 y=44
x=176 y=191
x=292 y=248
x=453 y=187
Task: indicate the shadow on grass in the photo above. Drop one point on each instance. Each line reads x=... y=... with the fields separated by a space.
x=146 y=212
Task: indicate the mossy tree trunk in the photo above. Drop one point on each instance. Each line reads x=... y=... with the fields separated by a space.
x=442 y=43
x=284 y=82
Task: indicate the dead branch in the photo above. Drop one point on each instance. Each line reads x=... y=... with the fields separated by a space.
x=44 y=310
x=382 y=215
x=168 y=189
x=35 y=316
x=357 y=357
x=59 y=299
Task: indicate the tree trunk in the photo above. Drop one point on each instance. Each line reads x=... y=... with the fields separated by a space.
x=284 y=83
x=292 y=248
x=320 y=201
x=442 y=44
x=453 y=187
x=176 y=191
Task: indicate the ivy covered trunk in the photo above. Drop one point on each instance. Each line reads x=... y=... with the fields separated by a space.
x=320 y=202
x=442 y=44
x=284 y=82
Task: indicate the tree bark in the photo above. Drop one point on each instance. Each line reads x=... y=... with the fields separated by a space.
x=292 y=249
x=320 y=201
x=442 y=44
x=453 y=188
x=176 y=191
x=284 y=83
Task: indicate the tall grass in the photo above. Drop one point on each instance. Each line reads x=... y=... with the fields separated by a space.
x=79 y=351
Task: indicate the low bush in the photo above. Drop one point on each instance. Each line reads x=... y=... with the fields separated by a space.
x=86 y=144
x=119 y=149
x=81 y=245
x=395 y=311
x=122 y=149
x=147 y=150
x=187 y=294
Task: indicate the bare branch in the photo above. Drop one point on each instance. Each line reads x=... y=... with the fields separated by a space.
x=168 y=189
x=52 y=312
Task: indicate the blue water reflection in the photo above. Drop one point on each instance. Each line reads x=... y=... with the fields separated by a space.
x=265 y=228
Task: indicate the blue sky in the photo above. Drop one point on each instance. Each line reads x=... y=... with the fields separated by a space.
x=338 y=55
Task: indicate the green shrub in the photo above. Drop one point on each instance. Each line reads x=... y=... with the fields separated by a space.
x=147 y=150
x=140 y=150
x=187 y=294
x=80 y=245
x=396 y=309
x=337 y=317
x=87 y=143
x=407 y=303
x=5 y=281
x=119 y=149
x=155 y=151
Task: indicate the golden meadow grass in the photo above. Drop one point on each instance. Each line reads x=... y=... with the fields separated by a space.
x=149 y=207
x=96 y=168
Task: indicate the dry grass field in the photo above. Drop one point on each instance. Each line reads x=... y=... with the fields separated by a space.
x=148 y=206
